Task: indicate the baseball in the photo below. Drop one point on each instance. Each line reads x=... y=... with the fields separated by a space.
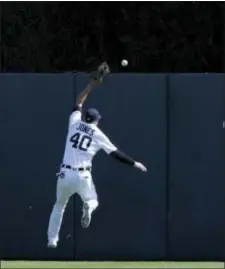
x=124 y=63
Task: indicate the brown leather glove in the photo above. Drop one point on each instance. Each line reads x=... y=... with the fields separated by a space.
x=100 y=73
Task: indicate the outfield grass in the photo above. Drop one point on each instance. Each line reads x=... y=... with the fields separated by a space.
x=40 y=264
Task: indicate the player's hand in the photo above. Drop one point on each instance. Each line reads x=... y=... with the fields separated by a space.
x=98 y=75
x=140 y=166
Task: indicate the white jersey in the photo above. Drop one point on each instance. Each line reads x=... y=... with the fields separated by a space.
x=83 y=141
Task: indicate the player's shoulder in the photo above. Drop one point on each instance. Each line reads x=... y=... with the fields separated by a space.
x=75 y=113
x=97 y=129
x=100 y=134
x=77 y=108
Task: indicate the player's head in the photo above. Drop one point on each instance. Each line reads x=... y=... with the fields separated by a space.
x=92 y=116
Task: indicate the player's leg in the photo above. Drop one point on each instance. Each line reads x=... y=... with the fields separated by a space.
x=89 y=196
x=63 y=193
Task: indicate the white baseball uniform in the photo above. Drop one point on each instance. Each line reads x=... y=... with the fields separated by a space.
x=83 y=141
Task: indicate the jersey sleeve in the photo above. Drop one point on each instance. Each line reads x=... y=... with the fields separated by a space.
x=106 y=144
x=76 y=115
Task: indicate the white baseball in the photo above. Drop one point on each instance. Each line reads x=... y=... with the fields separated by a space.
x=124 y=63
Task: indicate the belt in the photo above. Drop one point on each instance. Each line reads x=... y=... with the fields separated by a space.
x=76 y=169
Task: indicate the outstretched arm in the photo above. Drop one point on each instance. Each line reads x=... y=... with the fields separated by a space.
x=122 y=157
x=84 y=94
x=114 y=152
x=96 y=78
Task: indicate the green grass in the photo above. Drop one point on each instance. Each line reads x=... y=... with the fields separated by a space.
x=40 y=264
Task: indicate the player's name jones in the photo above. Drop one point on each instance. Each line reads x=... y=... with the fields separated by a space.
x=86 y=129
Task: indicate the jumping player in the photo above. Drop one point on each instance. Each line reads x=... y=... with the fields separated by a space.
x=84 y=140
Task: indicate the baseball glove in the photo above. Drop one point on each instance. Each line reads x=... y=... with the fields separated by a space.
x=100 y=73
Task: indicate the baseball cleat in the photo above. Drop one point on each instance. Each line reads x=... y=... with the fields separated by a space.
x=86 y=217
x=52 y=244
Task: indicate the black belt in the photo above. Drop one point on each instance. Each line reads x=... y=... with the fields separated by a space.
x=76 y=169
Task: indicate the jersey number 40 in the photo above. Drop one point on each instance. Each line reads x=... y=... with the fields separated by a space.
x=81 y=142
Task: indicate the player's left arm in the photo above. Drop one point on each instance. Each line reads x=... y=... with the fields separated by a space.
x=96 y=78
x=77 y=109
x=84 y=94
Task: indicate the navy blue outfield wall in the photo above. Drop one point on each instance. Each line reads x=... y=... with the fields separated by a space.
x=196 y=167
x=34 y=115
x=173 y=123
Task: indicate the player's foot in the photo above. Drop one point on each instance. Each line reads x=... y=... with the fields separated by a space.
x=52 y=244
x=86 y=217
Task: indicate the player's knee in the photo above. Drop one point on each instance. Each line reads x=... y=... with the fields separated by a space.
x=96 y=204
x=93 y=204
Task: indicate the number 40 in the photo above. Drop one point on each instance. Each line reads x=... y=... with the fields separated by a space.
x=79 y=143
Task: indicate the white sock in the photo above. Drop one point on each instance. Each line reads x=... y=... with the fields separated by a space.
x=93 y=204
x=55 y=222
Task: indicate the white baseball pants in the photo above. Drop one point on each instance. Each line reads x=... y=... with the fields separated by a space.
x=79 y=182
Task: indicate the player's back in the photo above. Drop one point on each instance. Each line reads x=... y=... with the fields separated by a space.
x=81 y=144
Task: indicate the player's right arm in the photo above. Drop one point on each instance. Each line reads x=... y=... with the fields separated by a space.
x=122 y=157
x=118 y=155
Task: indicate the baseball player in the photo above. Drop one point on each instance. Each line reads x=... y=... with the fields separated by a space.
x=84 y=140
